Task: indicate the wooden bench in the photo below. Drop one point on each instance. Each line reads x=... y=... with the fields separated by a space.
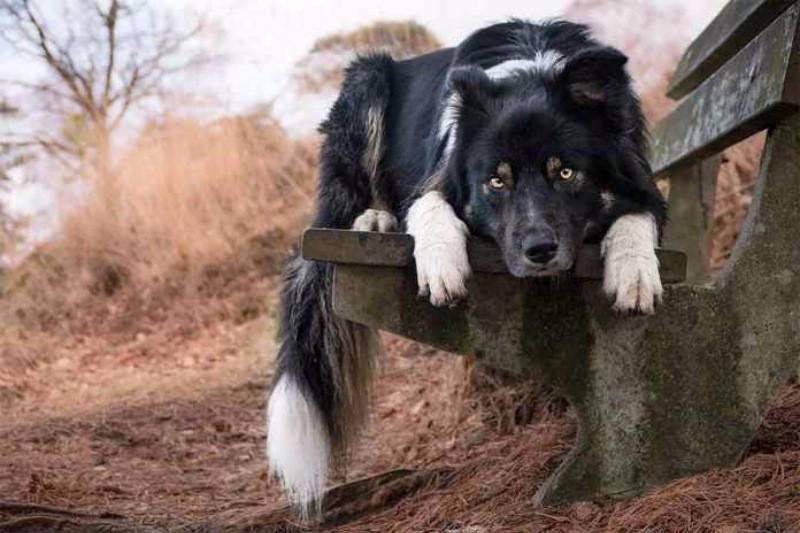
x=655 y=397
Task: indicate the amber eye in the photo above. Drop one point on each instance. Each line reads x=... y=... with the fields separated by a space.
x=496 y=183
x=566 y=174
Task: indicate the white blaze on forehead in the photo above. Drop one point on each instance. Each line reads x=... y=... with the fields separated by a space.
x=543 y=61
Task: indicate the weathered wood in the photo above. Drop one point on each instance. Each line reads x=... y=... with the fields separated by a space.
x=397 y=249
x=691 y=207
x=735 y=26
x=361 y=247
x=754 y=90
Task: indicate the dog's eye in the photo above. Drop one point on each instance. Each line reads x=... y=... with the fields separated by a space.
x=566 y=174
x=496 y=183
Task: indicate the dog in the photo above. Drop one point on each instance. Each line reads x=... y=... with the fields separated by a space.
x=528 y=134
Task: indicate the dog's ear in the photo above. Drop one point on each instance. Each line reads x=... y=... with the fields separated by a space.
x=593 y=76
x=474 y=89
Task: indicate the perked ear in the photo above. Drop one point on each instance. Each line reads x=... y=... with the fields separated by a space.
x=593 y=75
x=474 y=89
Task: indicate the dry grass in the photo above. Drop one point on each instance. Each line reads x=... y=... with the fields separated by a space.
x=190 y=194
x=403 y=39
x=191 y=208
x=736 y=180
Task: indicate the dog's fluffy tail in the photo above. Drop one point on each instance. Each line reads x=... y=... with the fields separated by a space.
x=321 y=392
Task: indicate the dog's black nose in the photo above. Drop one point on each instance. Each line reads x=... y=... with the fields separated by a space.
x=539 y=250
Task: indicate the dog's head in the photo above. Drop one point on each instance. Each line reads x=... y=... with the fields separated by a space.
x=546 y=160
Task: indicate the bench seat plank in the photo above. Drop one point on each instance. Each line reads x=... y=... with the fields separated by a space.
x=754 y=90
x=397 y=250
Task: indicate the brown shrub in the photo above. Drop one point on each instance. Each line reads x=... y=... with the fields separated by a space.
x=190 y=195
x=190 y=203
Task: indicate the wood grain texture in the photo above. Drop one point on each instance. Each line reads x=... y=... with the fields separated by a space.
x=754 y=90
x=397 y=250
x=735 y=26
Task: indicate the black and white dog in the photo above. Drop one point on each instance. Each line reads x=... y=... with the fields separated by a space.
x=529 y=134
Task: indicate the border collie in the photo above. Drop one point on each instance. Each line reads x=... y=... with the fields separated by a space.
x=529 y=134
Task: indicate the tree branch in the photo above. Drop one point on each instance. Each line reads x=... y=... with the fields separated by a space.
x=103 y=59
x=110 y=22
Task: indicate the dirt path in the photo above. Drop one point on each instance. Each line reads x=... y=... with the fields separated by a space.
x=169 y=433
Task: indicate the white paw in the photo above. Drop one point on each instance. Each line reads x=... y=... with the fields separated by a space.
x=440 y=249
x=375 y=220
x=631 y=274
x=442 y=273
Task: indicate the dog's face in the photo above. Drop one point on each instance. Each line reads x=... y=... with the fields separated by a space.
x=536 y=200
x=534 y=156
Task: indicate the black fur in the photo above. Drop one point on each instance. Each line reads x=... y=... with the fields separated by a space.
x=582 y=113
x=308 y=346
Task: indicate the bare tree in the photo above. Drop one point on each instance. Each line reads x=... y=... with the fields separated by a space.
x=9 y=159
x=103 y=59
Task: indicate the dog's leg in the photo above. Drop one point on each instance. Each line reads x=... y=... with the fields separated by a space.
x=631 y=267
x=375 y=220
x=440 y=248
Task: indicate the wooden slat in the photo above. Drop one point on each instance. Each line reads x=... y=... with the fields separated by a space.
x=736 y=25
x=754 y=90
x=358 y=247
x=397 y=250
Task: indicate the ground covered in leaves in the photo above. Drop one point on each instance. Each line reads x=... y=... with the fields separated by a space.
x=165 y=432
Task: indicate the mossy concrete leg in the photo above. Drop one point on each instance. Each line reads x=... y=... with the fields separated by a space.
x=655 y=397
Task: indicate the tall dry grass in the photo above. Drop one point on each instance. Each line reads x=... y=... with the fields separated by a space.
x=188 y=195
x=190 y=207
x=187 y=201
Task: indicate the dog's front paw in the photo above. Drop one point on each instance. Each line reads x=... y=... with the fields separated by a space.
x=375 y=220
x=440 y=249
x=631 y=275
x=442 y=272
x=633 y=283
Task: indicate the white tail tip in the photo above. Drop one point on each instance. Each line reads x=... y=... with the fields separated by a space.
x=298 y=446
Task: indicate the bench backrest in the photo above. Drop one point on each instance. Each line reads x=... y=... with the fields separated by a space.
x=737 y=78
